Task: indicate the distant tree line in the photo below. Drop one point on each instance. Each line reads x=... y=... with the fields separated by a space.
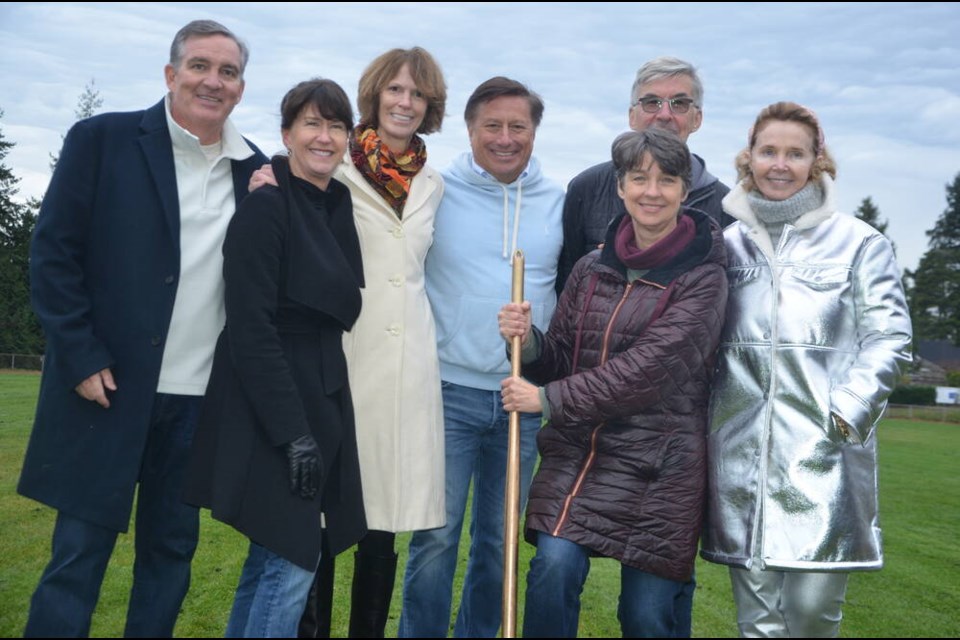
x=934 y=288
x=19 y=330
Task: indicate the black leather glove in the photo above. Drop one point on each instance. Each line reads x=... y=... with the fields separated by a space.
x=306 y=466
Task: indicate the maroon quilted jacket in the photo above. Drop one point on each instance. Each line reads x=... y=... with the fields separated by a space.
x=623 y=459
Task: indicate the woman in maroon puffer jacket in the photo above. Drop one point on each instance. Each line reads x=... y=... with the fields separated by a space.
x=625 y=371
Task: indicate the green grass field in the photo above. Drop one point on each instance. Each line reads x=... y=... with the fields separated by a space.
x=916 y=595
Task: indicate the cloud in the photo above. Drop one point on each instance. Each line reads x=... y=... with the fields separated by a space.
x=883 y=77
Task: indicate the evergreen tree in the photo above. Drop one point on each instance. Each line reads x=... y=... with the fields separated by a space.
x=869 y=213
x=87 y=105
x=935 y=294
x=19 y=329
x=946 y=232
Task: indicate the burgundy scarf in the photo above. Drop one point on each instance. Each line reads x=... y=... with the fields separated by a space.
x=660 y=252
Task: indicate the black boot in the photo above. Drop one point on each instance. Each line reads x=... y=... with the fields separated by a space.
x=315 y=621
x=373 y=578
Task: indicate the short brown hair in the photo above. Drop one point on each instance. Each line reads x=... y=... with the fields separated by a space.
x=327 y=96
x=498 y=87
x=665 y=148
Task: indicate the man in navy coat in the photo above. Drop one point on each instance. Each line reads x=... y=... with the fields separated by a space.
x=125 y=271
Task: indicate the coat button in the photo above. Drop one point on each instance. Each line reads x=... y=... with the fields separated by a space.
x=397 y=232
x=155 y=341
x=396 y=281
x=168 y=280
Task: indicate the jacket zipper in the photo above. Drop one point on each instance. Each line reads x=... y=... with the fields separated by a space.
x=756 y=552
x=588 y=463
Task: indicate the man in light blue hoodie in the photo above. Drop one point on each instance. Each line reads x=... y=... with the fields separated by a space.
x=496 y=200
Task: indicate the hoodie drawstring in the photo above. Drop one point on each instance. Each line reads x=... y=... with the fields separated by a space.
x=516 y=218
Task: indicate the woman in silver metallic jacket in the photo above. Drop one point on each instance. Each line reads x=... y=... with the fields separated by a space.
x=817 y=332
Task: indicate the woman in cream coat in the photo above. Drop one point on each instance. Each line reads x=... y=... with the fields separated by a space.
x=392 y=349
x=392 y=356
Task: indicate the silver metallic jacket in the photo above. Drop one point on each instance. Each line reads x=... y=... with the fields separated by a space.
x=818 y=325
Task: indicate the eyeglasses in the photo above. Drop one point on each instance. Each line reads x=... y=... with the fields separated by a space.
x=652 y=104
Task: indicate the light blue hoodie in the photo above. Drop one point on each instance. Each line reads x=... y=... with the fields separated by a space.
x=479 y=225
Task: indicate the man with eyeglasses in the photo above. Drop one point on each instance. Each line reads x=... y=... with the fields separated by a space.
x=668 y=94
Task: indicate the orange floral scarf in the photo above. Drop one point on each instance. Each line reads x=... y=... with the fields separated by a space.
x=388 y=172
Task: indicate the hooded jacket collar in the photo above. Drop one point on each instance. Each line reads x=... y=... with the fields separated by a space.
x=737 y=205
x=707 y=246
x=466 y=168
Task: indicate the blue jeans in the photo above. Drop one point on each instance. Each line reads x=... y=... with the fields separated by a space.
x=648 y=603
x=270 y=596
x=166 y=532
x=476 y=428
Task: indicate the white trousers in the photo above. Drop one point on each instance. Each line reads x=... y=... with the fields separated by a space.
x=788 y=604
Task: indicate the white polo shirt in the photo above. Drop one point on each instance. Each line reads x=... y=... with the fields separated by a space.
x=205 y=193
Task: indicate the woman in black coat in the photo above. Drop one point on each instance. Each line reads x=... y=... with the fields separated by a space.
x=275 y=444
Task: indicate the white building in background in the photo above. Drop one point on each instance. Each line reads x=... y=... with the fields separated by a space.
x=948 y=395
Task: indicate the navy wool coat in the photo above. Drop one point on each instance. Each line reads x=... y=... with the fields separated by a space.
x=104 y=271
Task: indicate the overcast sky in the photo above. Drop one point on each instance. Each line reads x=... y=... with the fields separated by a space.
x=883 y=77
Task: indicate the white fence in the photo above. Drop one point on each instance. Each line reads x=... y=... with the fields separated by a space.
x=21 y=361
x=930 y=413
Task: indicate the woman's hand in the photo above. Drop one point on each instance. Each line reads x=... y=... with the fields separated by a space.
x=514 y=321
x=306 y=466
x=260 y=177
x=520 y=395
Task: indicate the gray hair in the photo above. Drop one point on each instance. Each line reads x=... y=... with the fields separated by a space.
x=667 y=67
x=201 y=28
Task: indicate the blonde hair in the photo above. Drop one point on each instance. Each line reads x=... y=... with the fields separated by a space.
x=787 y=112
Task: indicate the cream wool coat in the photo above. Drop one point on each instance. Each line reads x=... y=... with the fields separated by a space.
x=392 y=359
